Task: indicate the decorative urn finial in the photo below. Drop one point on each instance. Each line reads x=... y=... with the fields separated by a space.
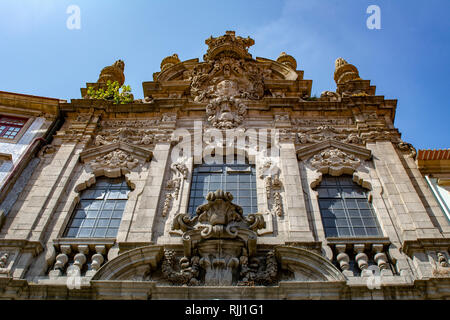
x=113 y=73
x=287 y=60
x=344 y=71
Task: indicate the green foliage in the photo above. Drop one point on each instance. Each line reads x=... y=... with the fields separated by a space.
x=113 y=92
x=313 y=98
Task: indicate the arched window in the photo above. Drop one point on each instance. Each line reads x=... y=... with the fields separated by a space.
x=345 y=210
x=99 y=212
x=238 y=179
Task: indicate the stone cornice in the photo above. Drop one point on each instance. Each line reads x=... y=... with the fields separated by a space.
x=409 y=246
x=35 y=247
x=28 y=104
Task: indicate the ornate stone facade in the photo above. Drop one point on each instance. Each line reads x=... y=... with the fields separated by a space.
x=280 y=251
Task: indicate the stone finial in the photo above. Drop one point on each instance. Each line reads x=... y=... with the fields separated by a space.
x=344 y=71
x=169 y=61
x=113 y=73
x=287 y=60
x=230 y=45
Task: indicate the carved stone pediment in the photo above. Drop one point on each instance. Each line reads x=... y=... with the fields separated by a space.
x=311 y=150
x=115 y=157
x=334 y=157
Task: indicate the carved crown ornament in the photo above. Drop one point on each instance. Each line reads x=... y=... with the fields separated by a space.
x=115 y=159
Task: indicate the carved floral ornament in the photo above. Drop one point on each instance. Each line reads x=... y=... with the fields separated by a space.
x=334 y=157
x=115 y=159
x=335 y=162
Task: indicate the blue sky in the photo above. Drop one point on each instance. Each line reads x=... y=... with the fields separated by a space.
x=408 y=59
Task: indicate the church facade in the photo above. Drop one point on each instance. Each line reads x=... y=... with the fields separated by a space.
x=227 y=181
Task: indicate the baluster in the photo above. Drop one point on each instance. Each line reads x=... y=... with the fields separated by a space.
x=381 y=260
x=362 y=260
x=61 y=261
x=80 y=257
x=343 y=260
x=97 y=259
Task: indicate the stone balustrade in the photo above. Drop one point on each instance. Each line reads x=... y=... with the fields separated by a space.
x=85 y=256
x=362 y=257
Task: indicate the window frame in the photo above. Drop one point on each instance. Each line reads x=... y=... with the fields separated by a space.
x=197 y=195
x=22 y=130
x=102 y=211
x=357 y=210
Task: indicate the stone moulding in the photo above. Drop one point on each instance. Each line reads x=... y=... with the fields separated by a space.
x=336 y=158
x=307 y=265
x=309 y=151
x=119 y=156
x=131 y=264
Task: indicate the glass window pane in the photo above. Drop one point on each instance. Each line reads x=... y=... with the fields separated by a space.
x=341 y=223
x=92 y=214
x=88 y=211
x=80 y=214
x=351 y=204
x=353 y=213
x=85 y=232
x=369 y=222
x=109 y=205
x=326 y=213
x=337 y=204
x=359 y=231
x=72 y=233
x=373 y=232
x=114 y=223
x=366 y=213
x=106 y=214
x=329 y=222
x=100 y=232
x=88 y=223
x=111 y=233
x=356 y=222
x=325 y=204
x=333 y=193
x=103 y=223
x=244 y=193
x=331 y=232
x=344 y=232
x=363 y=204
x=117 y=214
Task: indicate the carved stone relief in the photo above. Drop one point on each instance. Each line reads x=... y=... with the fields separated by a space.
x=270 y=173
x=218 y=239
x=335 y=162
x=179 y=172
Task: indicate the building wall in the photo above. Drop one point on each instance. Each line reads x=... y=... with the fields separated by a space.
x=343 y=132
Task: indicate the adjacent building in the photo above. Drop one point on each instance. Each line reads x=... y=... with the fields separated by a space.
x=27 y=123
x=228 y=180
